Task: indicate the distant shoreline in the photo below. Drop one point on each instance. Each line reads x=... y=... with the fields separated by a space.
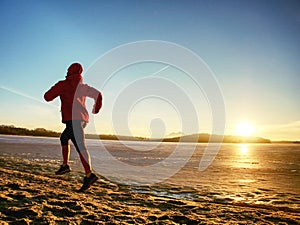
x=194 y=138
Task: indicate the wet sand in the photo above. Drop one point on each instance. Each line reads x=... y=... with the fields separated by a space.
x=32 y=194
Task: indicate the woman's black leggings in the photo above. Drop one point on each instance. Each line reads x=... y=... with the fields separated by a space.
x=75 y=131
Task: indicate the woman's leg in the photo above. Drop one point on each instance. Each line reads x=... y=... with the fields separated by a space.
x=86 y=162
x=64 y=141
x=65 y=147
x=65 y=153
x=78 y=140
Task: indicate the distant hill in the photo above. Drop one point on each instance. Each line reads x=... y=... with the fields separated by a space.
x=204 y=138
x=201 y=138
x=12 y=130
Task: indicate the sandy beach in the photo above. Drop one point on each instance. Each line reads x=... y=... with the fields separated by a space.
x=31 y=194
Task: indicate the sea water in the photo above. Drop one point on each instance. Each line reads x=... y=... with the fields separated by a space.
x=255 y=175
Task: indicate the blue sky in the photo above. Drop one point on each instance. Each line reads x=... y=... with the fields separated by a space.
x=251 y=46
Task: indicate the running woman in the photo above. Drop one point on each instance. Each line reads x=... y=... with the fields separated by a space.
x=73 y=92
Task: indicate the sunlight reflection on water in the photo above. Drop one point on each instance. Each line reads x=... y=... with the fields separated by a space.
x=244 y=157
x=243 y=149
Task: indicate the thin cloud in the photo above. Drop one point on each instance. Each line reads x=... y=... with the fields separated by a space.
x=27 y=96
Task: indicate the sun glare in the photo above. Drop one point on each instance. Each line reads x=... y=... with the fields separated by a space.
x=244 y=129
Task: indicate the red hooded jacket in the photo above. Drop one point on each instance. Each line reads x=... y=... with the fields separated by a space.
x=72 y=94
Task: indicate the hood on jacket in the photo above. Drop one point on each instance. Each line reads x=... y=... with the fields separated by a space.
x=74 y=69
x=74 y=74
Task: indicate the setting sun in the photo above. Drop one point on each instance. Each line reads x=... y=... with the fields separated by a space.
x=244 y=129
